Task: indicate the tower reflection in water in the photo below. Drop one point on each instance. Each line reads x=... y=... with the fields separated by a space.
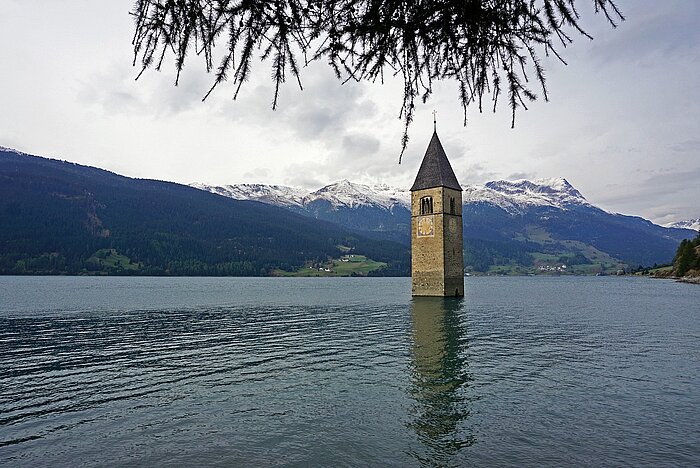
x=440 y=380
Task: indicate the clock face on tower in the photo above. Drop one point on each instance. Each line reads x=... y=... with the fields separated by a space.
x=426 y=226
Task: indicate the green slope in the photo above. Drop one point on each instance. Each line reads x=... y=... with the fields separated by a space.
x=58 y=218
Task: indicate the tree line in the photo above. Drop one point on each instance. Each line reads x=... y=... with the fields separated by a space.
x=687 y=259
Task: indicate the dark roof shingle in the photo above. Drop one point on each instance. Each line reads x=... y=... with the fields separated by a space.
x=435 y=170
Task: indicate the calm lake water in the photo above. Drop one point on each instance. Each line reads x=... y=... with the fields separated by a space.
x=347 y=372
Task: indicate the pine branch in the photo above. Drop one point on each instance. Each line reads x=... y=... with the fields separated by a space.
x=481 y=44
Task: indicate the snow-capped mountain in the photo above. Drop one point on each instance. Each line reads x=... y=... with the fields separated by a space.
x=518 y=226
x=350 y=195
x=504 y=221
x=375 y=209
x=515 y=197
x=279 y=195
x=342 y=194
x=512 y=196
x=693 y=224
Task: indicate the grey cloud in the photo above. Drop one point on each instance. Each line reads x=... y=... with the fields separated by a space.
x=257 y=174
x=666 y=214
x=660 y=197
x=671 y=181
x=96 y=92
x=307 y=175
x=475 y=173
x=320 y=112
x=11 y=142
x=314 y=121
x=183 y=97
x=652 y=28
x=116 y=91
x=521 y=175
x=692 y=145
x=329 y=114
x=360 y=144
x=120 y=102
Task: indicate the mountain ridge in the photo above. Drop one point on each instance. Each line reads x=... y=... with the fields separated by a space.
x=512 y=196
x=343 y=192
x=693 y=224
x=59 y=217
x=61 y=213
x=509 y=222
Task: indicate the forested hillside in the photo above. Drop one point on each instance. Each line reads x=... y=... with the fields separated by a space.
x=687 y=259
x=62 y=218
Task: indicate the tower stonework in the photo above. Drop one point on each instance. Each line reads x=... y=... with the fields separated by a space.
x=437 y=263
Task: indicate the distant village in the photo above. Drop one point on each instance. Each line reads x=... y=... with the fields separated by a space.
x=559 y=268
x=325 y=269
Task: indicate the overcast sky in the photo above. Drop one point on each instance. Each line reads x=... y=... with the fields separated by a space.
x=622 y=124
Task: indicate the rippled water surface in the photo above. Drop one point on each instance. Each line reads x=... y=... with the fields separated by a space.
x=345 y=371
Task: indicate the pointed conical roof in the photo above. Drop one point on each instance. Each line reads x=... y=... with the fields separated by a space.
x=435 y=170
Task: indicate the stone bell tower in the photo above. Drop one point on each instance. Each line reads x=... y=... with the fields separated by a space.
x=436 y=227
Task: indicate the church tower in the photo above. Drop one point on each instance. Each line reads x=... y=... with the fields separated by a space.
x=436 y=227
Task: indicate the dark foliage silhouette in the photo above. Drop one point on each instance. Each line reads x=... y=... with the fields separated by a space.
x=489 y=47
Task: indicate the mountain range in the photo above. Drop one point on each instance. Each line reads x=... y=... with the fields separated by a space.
x=509 y=226
x=378 y=211
x=58 y=217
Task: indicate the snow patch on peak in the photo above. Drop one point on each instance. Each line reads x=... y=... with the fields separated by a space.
x=518 y=195
x=693 y=224
x=12 y=150
x=347 y=194
x=279 y=195
x=554 y=186
x=339 y=194
x=342 y=186
x=513 y=196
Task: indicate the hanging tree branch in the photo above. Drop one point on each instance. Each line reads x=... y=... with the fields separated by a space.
x=481 y=44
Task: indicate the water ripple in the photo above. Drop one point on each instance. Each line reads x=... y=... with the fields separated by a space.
x=547 y=373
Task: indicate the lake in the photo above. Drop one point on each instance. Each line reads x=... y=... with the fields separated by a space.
x=524 y=371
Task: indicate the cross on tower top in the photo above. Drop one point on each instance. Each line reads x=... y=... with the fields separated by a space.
x=434 y=120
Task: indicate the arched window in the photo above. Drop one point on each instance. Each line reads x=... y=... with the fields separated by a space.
x=452 y=205
x=426 y=205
